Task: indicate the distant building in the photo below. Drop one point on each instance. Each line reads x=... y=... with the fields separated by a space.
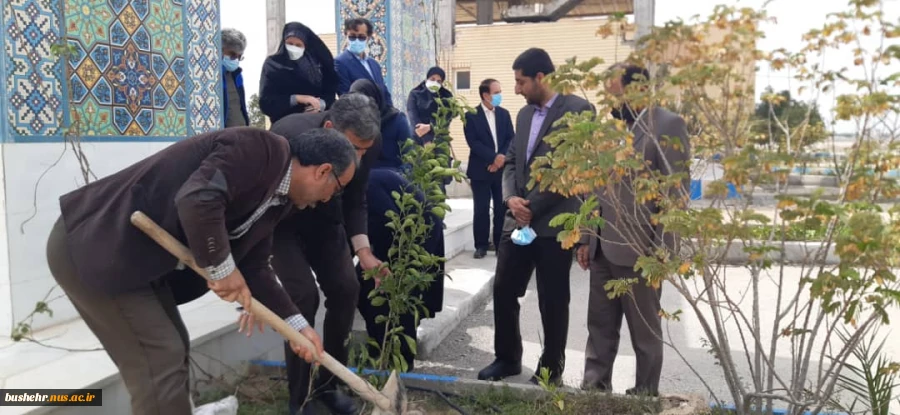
x=488 y=36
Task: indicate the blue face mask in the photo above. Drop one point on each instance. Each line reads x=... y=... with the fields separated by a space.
x=523 y=236
x=496 y=99
x=230 y=65
x=357 y=46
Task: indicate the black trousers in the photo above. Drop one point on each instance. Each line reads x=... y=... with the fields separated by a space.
x=483 y=193
x=375 y=330
x=514 y=267
x=320 y=246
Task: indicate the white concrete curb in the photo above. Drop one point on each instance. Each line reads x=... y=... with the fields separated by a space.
x=794 y=252
x=478 y=286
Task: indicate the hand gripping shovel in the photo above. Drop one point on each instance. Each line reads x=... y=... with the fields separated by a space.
x=390 y=400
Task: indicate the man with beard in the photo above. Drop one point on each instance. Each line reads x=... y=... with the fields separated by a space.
x=532 y=209
x=661 y=137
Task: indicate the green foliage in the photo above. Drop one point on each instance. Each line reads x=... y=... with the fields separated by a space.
x=412 y=268
x=873 y=381
x=779 y=117
x=705 y=72
x=257 y=118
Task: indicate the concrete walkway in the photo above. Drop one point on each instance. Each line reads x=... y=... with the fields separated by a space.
x=469 y=347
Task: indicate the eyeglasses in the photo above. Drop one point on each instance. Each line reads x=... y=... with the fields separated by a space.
x=340 y=189
x=357 y=37
x=235 y=56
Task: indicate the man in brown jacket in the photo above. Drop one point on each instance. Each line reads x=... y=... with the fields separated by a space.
x=221 y=194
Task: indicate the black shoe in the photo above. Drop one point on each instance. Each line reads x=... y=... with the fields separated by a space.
x=338 y=402
x=480 y=253
x=500 y=369
x=641 y=392
x=491 y=247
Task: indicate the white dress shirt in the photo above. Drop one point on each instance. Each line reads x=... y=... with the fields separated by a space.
x=492 y=122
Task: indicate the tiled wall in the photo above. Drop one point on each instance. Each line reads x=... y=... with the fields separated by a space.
x=144 y=73
x=141 y=69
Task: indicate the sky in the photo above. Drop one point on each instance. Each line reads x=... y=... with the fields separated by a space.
x=793 y=17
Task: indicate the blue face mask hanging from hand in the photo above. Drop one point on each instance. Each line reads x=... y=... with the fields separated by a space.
x=230 y=64
x=496 y=99
x=523 y=236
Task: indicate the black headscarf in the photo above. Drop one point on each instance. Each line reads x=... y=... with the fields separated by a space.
x=369 y=89
x=436 y=70
x=317 y=63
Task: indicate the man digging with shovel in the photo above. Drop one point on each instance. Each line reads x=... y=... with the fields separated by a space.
x=221 y=194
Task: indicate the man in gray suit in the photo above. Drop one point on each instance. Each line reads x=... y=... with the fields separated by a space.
x=661 y=137
x=515 y=263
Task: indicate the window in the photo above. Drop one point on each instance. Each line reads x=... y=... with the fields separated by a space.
x=463 y=80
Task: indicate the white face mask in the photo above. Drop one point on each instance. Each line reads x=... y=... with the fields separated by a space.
x=295 y=52
x=432 y=85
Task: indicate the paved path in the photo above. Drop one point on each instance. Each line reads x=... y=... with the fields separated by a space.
x=470 y=346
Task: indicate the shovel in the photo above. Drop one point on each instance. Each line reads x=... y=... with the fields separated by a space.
x=390 y=400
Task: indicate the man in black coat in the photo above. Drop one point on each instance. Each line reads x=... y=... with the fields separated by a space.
x=319 y=240
x=488 y=133
x=535 y=208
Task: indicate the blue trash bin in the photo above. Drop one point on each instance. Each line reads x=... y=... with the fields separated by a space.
x=696 y=189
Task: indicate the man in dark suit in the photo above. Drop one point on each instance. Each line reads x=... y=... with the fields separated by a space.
x=319 y=240
x=354 y=63
x=488 y=132
x=661 y=137
x=533 y=208
x=219 y=193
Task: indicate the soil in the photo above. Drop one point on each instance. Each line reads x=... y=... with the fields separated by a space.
x=266 y=394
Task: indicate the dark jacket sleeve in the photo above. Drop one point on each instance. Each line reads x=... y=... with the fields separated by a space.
x=510 y=133
x=329 y=93
x=509 y=170
x=261 y=280
x=343 y=73
x=542 y=202
x=230 y=170
x=274 y=101
x=353 y=201
x=674 y=159
x=412 y=111
x=479 y=147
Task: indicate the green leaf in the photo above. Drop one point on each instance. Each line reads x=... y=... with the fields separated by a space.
x=411 y=343
x=378 y=301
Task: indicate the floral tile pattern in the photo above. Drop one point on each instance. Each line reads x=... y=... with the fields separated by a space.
x=140 y=68
x=33 y=89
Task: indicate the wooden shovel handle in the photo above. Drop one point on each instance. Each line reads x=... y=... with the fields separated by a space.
x=262 y=313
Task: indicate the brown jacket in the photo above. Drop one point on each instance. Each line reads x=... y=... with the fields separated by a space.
x=198 y=190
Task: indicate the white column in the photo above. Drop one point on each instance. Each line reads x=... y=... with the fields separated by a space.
x=6 y=313
x=274 y=24
x=643 y=16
